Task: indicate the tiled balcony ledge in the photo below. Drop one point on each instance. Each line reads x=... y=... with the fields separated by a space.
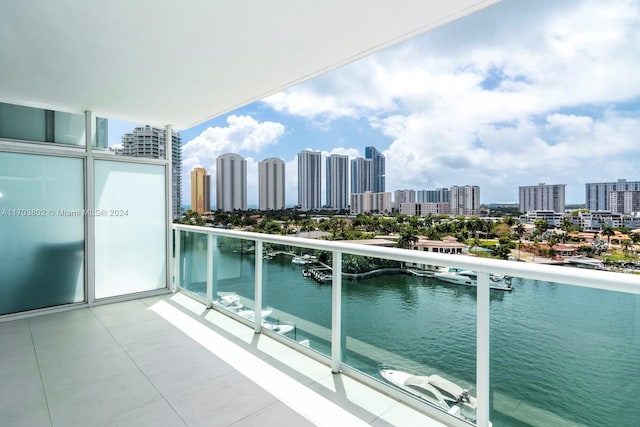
x=168 y=361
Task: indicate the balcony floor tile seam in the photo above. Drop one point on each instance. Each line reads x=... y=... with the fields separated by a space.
x=143 y=373
x=292 y=400
x=44 y=391
x=272 y=359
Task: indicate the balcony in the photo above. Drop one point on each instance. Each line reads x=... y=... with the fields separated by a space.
x=170 y=361
x=192 y=358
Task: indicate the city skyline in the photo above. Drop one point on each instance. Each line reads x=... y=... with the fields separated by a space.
x=547 y=93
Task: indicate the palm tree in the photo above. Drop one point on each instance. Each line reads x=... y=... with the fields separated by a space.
x=608 y=231
x=552 y=241
x=520 y=246
x=626 y=244
x=407 y=238
x=536 y=247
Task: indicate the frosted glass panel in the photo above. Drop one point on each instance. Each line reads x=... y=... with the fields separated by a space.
x=130 y=228
x=69 y=128
x=35 y=124
x=17 y=122
x=41 y=231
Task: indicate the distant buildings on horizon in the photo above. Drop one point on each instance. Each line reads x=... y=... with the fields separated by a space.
x=542 y=197
x=200 y=191
x=271 y=189
x=367 y=175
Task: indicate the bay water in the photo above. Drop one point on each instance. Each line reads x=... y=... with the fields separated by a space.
x=560 y=355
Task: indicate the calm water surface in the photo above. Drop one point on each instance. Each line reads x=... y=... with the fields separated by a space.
x=560 y=355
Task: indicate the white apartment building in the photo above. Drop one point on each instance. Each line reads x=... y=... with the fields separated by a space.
x=464 y=200
x=231 y=182
x=271 y=184
x=594 y=220
x=370 y=202
x=150 y=142
x=597 y=193
x=337 y=181
x=554 y=219
x=542 y=197
x=624 y=201
x=403 y=196
x=309 y=180
x=433 y=196
x=423 y=209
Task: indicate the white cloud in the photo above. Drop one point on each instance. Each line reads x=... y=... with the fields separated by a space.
x=497 y=99
x=241 y=135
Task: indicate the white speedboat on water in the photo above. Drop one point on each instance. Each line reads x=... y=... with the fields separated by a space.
x=435 y=389
x=230 y=302
x=251 y=315
x=280 y=328
x=470 y=278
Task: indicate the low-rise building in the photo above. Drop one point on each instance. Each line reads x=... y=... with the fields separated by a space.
x=554 y=219
x=448 y=245
x=423 y=209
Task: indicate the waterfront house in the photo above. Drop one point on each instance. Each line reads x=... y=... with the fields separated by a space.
x=448 y=245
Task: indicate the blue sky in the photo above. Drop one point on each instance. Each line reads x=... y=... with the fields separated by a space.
x=520 y=93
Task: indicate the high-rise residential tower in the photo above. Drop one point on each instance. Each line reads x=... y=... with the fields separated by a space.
x=231 y=182
x=624 y=202
x=378 y=173
x=271 y=184
x=403 y=196
x=361 y=175
x=200 y=190
x=149 y=141
x=597 y=193
x=542 y=197
x=309 y=180
x=464 y=200
x=439 y=195
x=337 y=187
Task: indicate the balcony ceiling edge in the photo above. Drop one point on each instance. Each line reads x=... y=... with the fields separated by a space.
x=183 y=63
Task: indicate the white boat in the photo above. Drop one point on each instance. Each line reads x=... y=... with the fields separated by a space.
x=251 y=315
x=230 y=302
x=298 y=260
x=281 y=328
x=426 y=272
x=435 y=389
x=470 y=278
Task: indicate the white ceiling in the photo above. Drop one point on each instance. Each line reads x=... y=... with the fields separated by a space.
x=183 y=62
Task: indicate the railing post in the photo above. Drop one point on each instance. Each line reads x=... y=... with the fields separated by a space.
x=257 y=309
x=214 y=276
x=209 y=270
x=336 y=312
x=175 y=284
x=482 y=350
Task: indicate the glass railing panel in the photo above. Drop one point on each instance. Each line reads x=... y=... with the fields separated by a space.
x=401 y=325
x=234 y=274
x=297 y=294
x=564 y=355
x=193 y=262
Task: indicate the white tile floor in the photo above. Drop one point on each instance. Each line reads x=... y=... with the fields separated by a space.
x=167 y=361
